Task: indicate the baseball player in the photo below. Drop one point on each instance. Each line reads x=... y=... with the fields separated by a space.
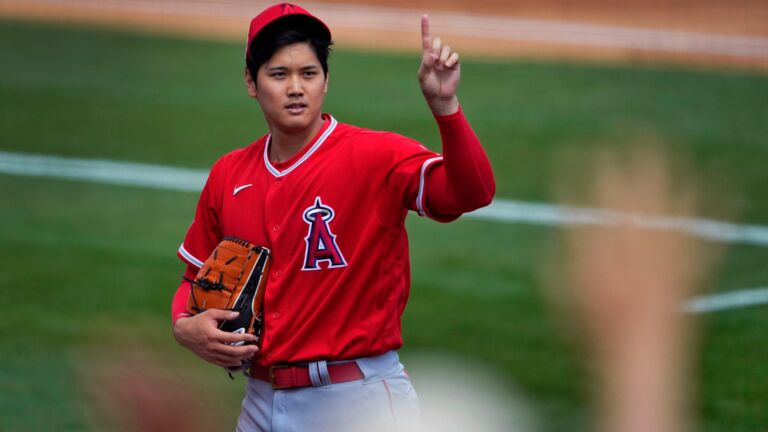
x=330 y=201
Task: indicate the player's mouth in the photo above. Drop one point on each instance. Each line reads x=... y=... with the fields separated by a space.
x=296 y=108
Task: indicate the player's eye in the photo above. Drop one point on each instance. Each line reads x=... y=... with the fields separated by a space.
x=277 y=74
x=310 y=73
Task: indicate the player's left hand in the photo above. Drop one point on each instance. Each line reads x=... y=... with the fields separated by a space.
x=439 y=72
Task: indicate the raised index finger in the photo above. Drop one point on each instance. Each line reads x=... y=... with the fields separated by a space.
x=426 y=42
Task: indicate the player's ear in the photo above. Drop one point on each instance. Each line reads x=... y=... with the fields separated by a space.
x=250 y=84
x=327 y=77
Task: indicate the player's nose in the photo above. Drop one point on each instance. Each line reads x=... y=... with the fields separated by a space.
x=295 y=87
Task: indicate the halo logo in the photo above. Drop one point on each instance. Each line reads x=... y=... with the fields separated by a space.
x=320 y=241
x=287 y=8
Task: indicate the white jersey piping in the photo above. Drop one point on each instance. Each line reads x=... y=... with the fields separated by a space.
x=189 y=257
x=306 y=156
x=420 y=198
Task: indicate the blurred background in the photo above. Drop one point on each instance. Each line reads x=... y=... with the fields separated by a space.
x=112 y=111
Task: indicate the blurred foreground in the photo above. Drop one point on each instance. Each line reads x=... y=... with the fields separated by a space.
x=624 y=286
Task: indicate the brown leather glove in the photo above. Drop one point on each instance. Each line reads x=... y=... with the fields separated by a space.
x=233 y=278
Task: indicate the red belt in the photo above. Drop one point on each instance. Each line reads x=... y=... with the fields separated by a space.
x=295 y=376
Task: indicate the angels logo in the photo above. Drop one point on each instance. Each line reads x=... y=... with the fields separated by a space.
x=287 y=8
x=320 y=241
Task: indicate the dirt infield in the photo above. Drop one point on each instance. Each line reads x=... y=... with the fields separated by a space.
x=722 y=33
x=743 y=17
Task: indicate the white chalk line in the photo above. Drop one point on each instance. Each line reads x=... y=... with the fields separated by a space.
x=103 y=171
x=554 y=215
x=460 y=24
x=727 y=300
x=508 y=211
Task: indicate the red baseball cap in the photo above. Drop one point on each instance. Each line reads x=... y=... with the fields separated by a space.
x=277 y=12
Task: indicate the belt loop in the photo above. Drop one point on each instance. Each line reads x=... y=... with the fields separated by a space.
x=314 y=374
x=322 y=367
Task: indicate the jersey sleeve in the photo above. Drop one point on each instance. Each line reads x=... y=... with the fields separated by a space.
x=442 y=187
x=465 y=181
x=205 y=231
x=410 y=164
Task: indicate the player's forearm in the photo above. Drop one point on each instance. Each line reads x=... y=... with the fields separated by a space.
x=465 y=180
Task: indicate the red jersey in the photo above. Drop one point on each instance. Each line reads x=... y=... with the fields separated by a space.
x=334 y=218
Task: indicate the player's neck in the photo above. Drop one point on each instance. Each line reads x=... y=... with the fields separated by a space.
x=286 y=144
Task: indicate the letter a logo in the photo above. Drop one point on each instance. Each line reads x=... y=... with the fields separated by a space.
x=320 y=241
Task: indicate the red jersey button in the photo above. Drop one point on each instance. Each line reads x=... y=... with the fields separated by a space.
x=277 y=182
x=275 y=315
x=275 y=228
x=277 y=273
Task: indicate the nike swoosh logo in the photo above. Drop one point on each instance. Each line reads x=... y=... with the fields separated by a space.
x=239 y=188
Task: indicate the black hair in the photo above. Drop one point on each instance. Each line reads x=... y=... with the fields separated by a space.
x=284 y=32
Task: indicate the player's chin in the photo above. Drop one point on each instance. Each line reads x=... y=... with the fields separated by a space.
x=295 y=122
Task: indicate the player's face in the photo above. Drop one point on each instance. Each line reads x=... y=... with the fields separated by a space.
x=290 y=88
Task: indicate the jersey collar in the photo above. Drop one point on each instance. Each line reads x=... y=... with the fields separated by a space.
x=277 y=173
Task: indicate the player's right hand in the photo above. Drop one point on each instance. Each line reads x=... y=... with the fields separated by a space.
x=201 y=335
x=439 y=73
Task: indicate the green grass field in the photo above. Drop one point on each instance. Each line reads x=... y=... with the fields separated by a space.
x=86 y=263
